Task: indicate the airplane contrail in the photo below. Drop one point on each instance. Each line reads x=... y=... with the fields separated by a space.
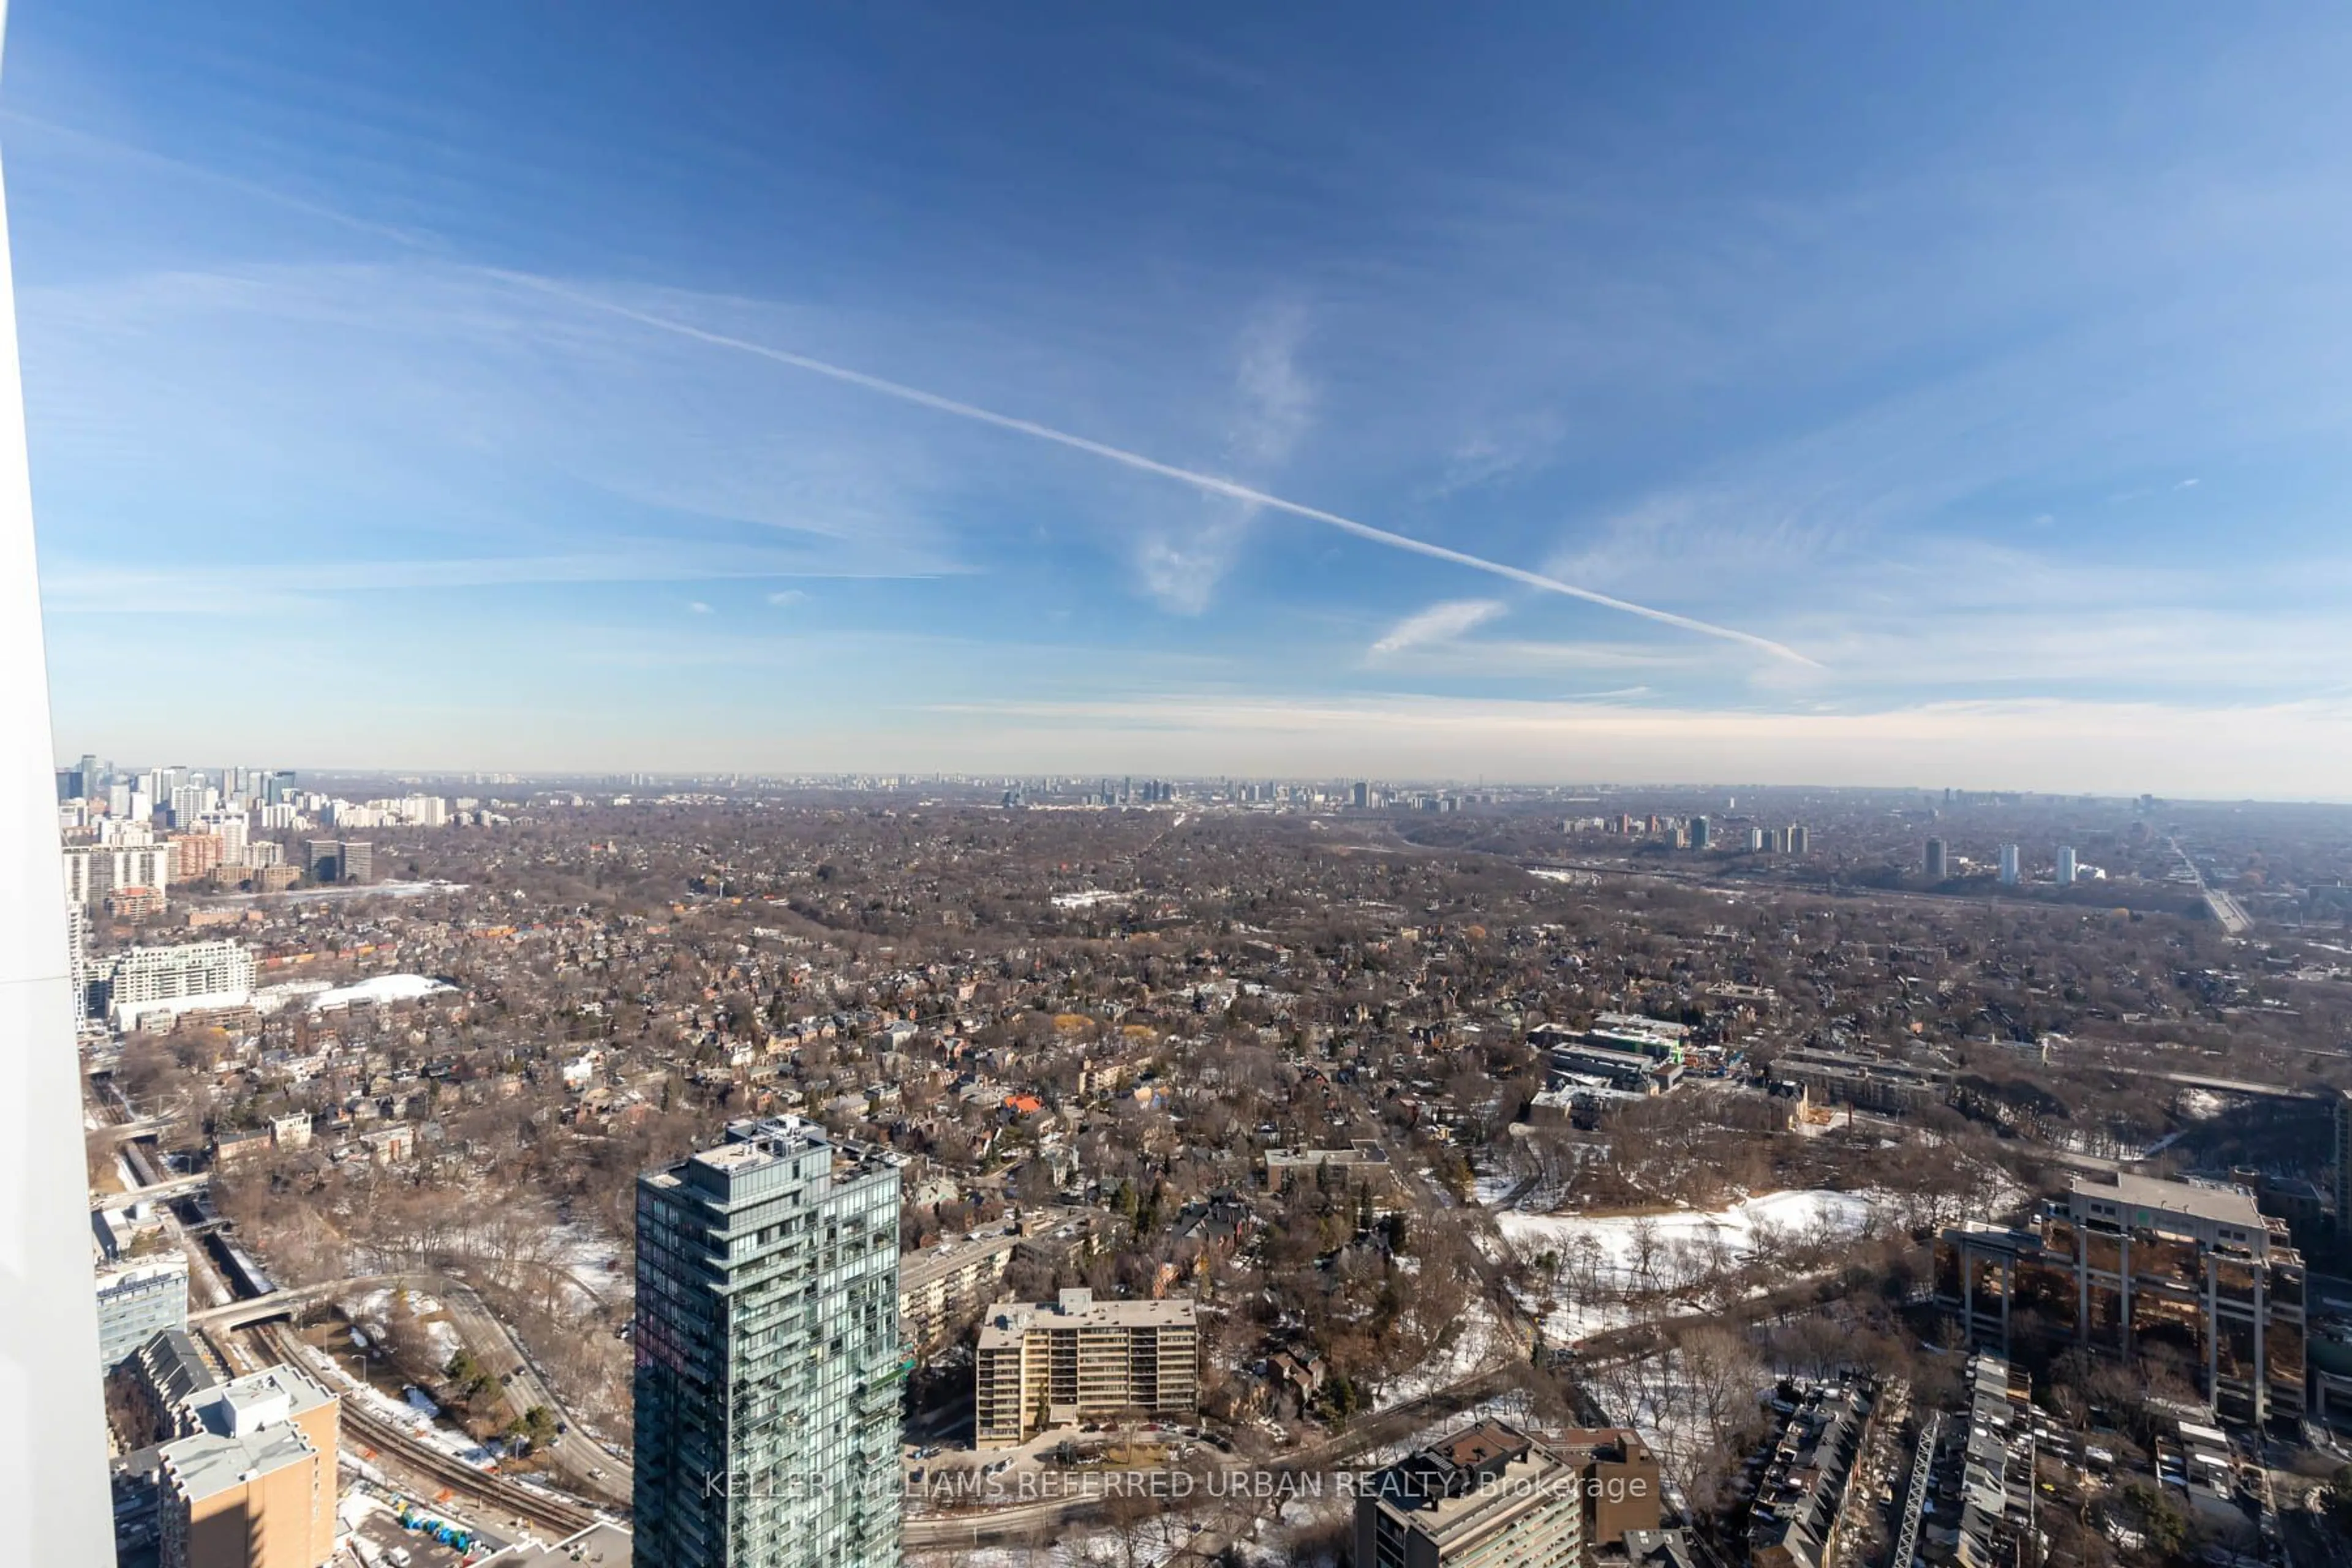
x=1210 y=483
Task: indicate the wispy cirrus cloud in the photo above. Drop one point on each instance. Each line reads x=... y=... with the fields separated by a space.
x=1440 y=623
x=1209 y=483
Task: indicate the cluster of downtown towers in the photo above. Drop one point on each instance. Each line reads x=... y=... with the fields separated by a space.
x=768 y=1360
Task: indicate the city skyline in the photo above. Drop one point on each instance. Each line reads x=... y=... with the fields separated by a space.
x=988 y=395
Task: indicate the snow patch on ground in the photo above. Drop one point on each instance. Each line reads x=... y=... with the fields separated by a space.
x=1618 y=1235
x=1683 y=1244
x=379 y=988
x=1475 y=1340
x=1088 y=898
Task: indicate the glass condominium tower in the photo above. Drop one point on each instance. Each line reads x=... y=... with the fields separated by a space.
x=769 y=1362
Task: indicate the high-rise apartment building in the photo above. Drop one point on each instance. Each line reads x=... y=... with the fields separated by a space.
x=1933 y=862
x=195 y=855
x=1488 y=1494
x=78 y=960
x=234 y=830
x=2065 y=865
x=254 y=1487
x=1056 y=1364
x=93 y=872
x=768 y=1354
x=1800 y=839
x=2009 y=865
x=1700 y=830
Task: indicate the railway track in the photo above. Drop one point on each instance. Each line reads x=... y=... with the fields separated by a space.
x=536 y=1508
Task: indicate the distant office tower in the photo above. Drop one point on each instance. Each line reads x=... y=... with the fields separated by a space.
x=2065 y=865
x=768 y=1356
x=1699 y=829
x=1489 y=1493
x=1054 y=1363
x=2009 y=865
x=277 y=789
x=1934 y=863
x=1755 y=840
x=1800 y=840
x=1364 y=795
x=338 y=860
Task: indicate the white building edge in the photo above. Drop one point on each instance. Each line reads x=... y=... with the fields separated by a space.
x=55 y=1505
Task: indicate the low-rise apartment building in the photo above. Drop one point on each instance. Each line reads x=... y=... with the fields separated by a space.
x=1057 y=1363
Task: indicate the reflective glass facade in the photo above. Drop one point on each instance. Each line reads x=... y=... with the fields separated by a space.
x=768 y=1355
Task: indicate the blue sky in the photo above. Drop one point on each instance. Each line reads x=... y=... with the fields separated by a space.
x=1937 y=396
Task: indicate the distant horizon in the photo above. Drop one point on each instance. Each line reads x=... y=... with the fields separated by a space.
x=620 y=777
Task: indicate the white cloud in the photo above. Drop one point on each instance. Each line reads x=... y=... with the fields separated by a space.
x=1184 y=558
x=1275 y=399
x=1441 y=623
x=785 y=597
x=699 y=607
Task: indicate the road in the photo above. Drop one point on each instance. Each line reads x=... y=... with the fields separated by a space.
x=2226 y=910
x=579 y=1455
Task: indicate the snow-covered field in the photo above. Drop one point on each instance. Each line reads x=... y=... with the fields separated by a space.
x=1088 y=898
x=1810 y=1213
x=1601 y=1260
x=379 y=988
